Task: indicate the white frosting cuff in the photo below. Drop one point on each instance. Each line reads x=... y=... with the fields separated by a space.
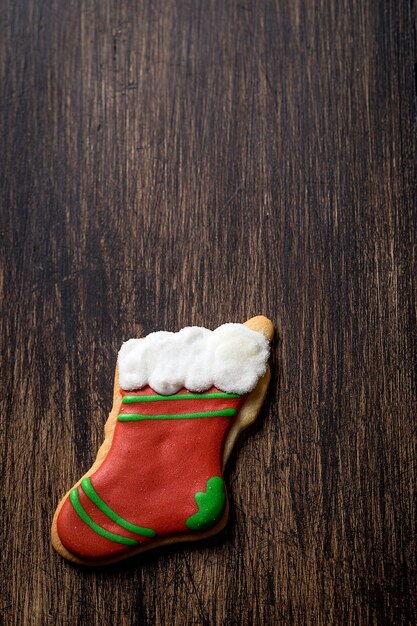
x=232 y=358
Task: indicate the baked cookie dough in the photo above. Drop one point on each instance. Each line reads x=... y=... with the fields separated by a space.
x=180 y=401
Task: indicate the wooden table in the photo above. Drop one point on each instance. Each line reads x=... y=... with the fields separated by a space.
x=168 y=163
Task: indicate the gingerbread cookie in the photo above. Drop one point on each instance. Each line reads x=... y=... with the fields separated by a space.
x=180 y=401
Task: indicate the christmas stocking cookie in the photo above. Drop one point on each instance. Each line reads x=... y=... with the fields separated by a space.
x=180 y=401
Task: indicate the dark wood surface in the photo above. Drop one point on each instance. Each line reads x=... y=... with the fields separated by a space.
x=170 y=163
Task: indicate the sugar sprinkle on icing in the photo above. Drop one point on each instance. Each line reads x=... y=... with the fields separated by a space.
x=232 y=358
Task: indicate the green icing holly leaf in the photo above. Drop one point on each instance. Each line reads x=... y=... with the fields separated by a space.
x=210 y=504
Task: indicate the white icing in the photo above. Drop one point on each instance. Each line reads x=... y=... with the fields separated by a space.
x=232 y=358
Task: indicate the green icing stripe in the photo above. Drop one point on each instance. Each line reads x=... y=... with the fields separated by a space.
x=95 y=498
x=75 y=501
x=178 y=396
x=134 y=417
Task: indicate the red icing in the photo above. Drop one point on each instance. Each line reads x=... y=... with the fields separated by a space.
x=150 y=475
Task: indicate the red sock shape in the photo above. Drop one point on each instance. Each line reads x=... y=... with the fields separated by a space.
x=165 y=449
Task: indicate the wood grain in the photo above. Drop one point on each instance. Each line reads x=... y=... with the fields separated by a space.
x=169 y=163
